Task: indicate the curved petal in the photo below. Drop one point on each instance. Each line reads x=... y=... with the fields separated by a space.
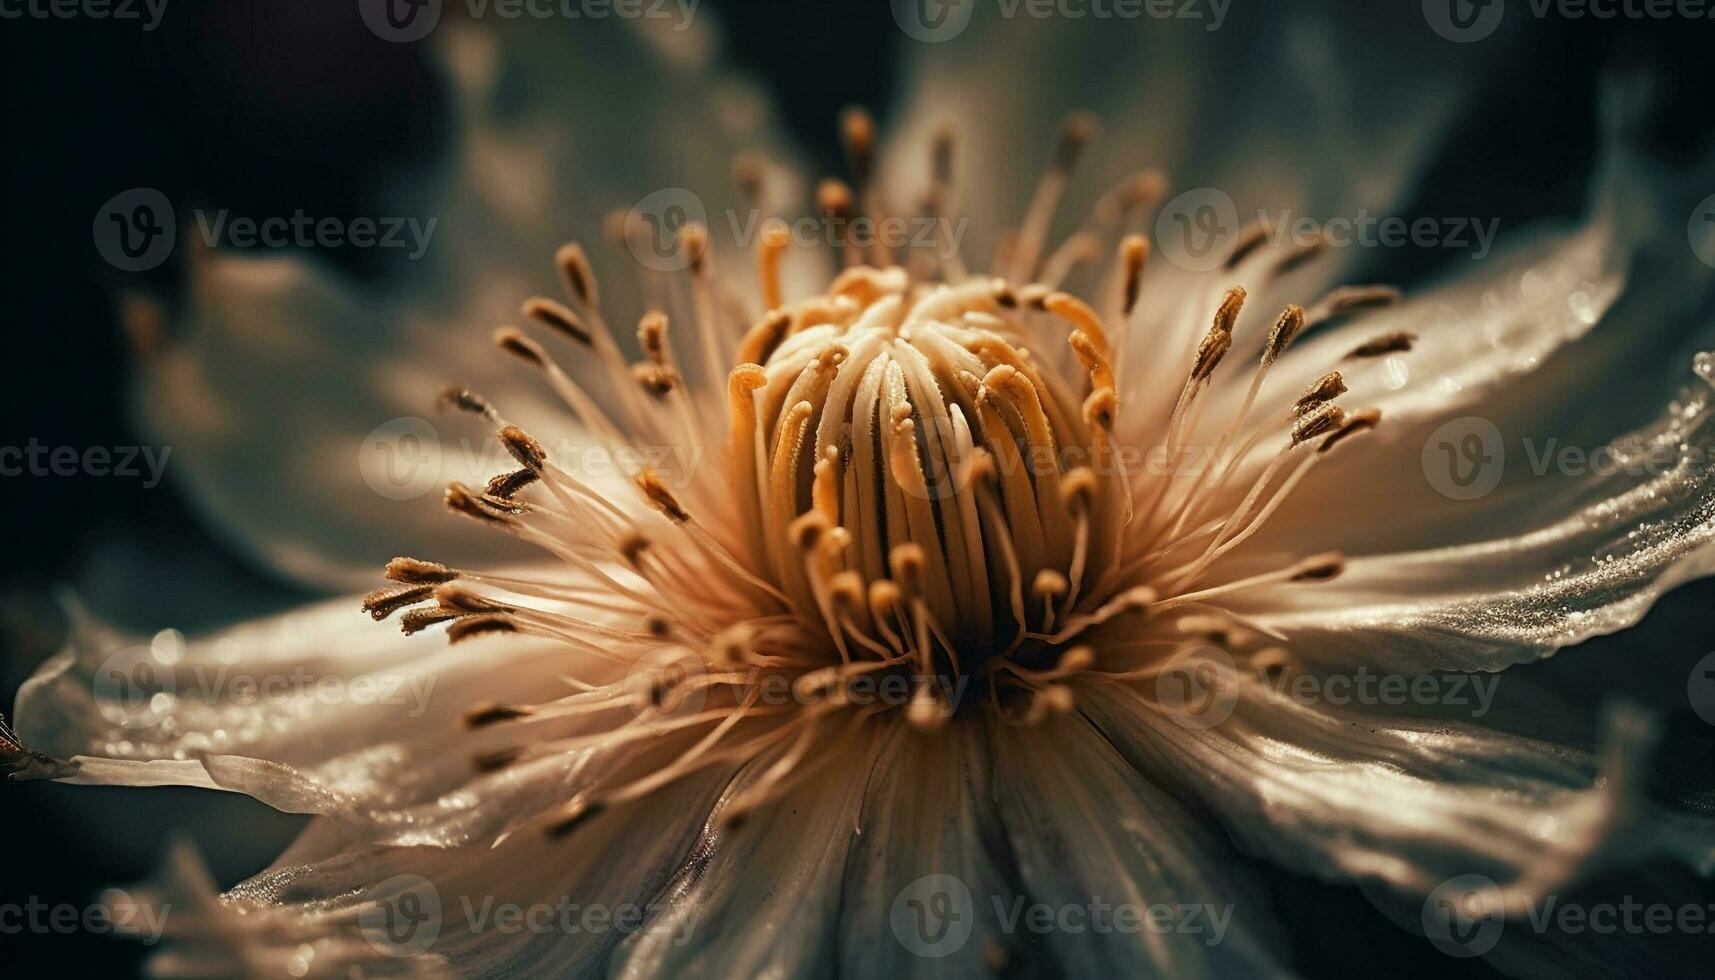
x=1088 y=830
x=1402 y=805
x=1630 y=533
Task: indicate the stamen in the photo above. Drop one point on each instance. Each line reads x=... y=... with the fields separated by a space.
x=1387 y=343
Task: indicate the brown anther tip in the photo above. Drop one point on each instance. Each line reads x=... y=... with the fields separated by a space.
x=556 y=317
x=694 y=245
x=1395 y=342
x=1034 y=295
x=658 y=627
x=1049 y=584
x=527 y=451
x=884 y=596
x=1101 y=408
x=808 y=530
x=1354 y=299
x=1134 y=253
x=907 y=562
x=1078 y=488
x=488 y=762
x=632 y=547
x=1227 y=313
x=1361 y=421
x=417 y=620
x=467 y=627
x=1251 y=238
x=384 y=602
x=461 y=500
x=1076 y=132
x=512 y=341
x=941 y=153
x=464 y=400
x=658 y=381
x=775 y=234
x=461 y=599
x=845 y=589
x=575 y=815
x=1004 y=296
x=1284 y=332
x=1210 y=351
x=418 y=572
x=1320 y=421
x=505 y=486
x=491 y=713
x=1319 y=568
x=655 y=489
x=1325 y=389
x=857 y=131
x=575 y=273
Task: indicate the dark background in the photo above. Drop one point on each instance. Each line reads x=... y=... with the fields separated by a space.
x=272 y=106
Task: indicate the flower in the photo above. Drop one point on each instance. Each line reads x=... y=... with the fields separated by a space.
x=949 y=587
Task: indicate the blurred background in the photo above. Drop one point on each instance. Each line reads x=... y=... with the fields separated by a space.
x=270 y=107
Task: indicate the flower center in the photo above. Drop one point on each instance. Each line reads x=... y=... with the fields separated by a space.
x=914 y=477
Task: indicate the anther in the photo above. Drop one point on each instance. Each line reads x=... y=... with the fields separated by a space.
x=1319 y=422
x=487 y=762
x=694 y=246
x=467 y=627
x=383 y=603
x=1360 y=421
x=655 y=489
x=1285 y=330
x=418 y=572
x=1318 y=568
x=576 y=275
x=512 y=341
x=857 y=132
x=460 y=499
x=417 y=620
x=1249 y=240
x=465 y=400
x=1324 y=390
x=556 y=317
x=463 y=600
x=490 y=713
x=505 y=486
x=1388 y=343
x=527 y=451
x=575 y=815
x=1134 y=252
